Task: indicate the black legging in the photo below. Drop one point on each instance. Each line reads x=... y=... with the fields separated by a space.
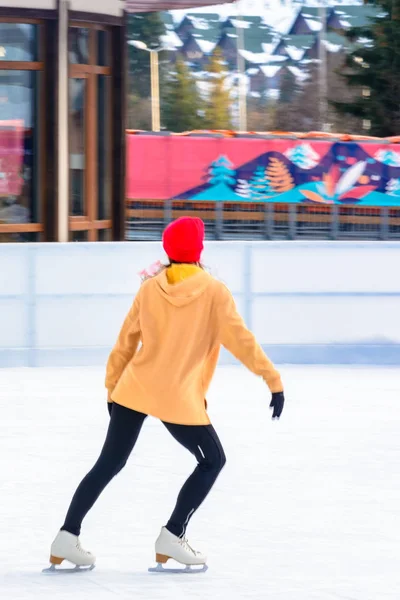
x=125 y=425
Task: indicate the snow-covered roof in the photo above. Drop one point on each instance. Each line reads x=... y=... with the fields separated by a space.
x=254 y=57
x=240 y=23
x=313 y=24
x=204 y=21
x=363 y=41
x=171 y=40
x=270 y=70
x=205 y=45
x=299 y=74
x=345 y=24
x=268 y=48
x=332 y=47
x=295 y=53
x=274 y=58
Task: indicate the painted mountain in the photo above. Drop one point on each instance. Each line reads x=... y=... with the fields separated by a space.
x=365 y=174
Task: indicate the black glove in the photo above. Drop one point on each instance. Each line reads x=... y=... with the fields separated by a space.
x=109 y=406
x=277 y=402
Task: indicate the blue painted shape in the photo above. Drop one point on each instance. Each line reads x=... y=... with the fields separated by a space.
x=219 y=192
x=379 y=199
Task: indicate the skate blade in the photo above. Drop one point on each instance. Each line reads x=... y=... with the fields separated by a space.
x=52 y=569
x=188 y=570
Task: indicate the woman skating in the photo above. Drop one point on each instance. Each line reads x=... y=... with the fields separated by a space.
x=162 y=365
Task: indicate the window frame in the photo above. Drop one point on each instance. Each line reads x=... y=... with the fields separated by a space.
x=11 y=65
x=90 y=221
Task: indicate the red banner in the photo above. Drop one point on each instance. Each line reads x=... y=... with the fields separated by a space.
x=262 y=169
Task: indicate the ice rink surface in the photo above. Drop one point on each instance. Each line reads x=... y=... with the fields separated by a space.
x=307 y=508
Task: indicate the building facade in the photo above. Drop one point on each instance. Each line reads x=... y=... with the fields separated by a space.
x=62 y=149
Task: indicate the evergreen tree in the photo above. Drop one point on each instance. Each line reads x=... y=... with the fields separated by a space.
x=298 y=107
x=181 y=104
x=288 y=87
x=138 y=112
x=278 y=176
x=375 y=68
x=261 y=115
x=217 y=111
x=260 y=187
x=243 y=188
x=147 y=28
x=221 y=171
x=393 y=187
x=303 y=156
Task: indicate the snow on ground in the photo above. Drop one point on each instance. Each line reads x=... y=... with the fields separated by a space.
x=306 y=508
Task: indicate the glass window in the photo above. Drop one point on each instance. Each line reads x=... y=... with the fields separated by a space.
x=19 y=41
x=19 y=149
x=103 y=48
x=78 y=236
x=78 y=45
x=77 y=145
x=12 y=238
x=103 y=147
x=105 y=235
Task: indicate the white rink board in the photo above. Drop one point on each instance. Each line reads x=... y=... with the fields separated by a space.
x=307 y=302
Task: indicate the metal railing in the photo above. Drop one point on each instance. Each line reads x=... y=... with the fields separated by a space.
x=145 y=220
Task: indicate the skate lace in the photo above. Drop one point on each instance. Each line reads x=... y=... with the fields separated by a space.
x=185 y=544
x=80 y=549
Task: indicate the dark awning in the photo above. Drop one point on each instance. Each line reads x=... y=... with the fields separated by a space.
x=136 y=6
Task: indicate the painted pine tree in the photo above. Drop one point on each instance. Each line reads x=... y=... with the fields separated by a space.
x=220 y=171
x=243 y=188
x=303 y=156
x=222 y=181
x=278 y=176
x=393 y=187
x=260 y=185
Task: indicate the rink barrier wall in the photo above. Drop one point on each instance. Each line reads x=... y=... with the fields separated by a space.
x=307 y=302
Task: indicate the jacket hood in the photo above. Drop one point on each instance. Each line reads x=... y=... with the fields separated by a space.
x=184 y=292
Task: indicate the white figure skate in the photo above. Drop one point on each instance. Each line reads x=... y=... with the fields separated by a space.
x=169 y=546
x=67 y=546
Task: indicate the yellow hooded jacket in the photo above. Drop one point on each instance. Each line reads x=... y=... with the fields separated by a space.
x=180 y=318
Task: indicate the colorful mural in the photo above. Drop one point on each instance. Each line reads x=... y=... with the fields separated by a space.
x=263 y=170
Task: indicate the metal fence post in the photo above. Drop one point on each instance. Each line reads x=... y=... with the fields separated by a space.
x=269 y=220
x=334 y=222
x=219 y=220
x=385 y=233
x=167 y=212
x=292 y=222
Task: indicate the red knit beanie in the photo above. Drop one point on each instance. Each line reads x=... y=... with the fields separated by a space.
x=183 y=239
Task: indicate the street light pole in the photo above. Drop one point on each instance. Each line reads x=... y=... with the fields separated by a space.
x=323 y=69
x=155 y=82
x=242 y=91
x=155 y=90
